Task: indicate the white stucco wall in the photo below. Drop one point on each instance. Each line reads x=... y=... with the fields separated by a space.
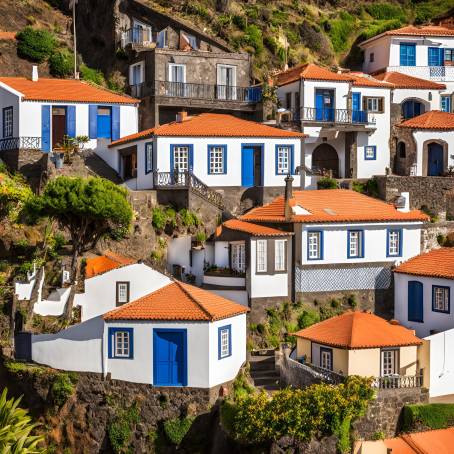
x=239 y=296
x=9 y=99
x=381 y=49
x=430 y=98
x=436 y=321
x=100 y=291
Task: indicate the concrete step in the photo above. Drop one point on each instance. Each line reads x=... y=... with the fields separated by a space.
x=267 y=364
x=267 y=381
x=264 y=373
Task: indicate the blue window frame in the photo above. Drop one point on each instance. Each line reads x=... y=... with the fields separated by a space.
x=355 y=244
x=104 y=122
x=121 y=343
x=435 y=56
x=441 y=299
x=217 y=159
x=315 y=245
x=407 y=54
x=445 y=103
x=148 y=157
x=370 y=152
x=181 y=157
x=394 y=243
x=8 y=125
x=284 y=160
x=224 y=341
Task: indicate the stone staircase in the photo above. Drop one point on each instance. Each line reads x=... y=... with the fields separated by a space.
x=99 y=167
x=263 y=372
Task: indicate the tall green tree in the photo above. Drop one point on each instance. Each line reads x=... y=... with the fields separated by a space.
x=88 y=209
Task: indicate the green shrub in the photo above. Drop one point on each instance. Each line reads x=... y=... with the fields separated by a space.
x=171 y=217
x=200 y=236
x=307 y=318
x=158 y=218
x=241 y=386
x=379 y=435
x=327 y=183
x=61 y=63
x=383 y=10
x=92 y=75
x=189 y=218
x=335 y=304
x=339 y=30
x=177 y=428
x=35 y=45
x=239 y=21
x=253 y=37
x=120 y=430
x=351 y=300
x=63 y=388
x=432 y=416
x=375 y=28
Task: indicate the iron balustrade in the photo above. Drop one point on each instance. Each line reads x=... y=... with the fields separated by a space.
x=187 y=180
x=20 y=143
x=137 y=90
x=398 y=381
x=136 y=35
x=330 y=115
x=206 y=91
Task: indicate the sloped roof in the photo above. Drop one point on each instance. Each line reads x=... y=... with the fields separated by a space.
x=253 y=229
x=438 y=441
x=434 y=119
x=65 y=90
x=332 y=205
x=7 y=35
x=106 y=262
x=400 y=80
x=435 y=263
x=133 y=137
x=366 y=80
x=178 y=301
x=355 y=330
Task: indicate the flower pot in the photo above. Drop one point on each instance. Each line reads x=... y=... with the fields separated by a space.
x=59 y=159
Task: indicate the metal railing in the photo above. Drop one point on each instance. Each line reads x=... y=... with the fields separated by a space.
x=398 y=381
x=187 y=180
x=205 y=91
x=20 y=143
x=137 y=90
x=329 y=115
x=441 y=73
x=137 y=35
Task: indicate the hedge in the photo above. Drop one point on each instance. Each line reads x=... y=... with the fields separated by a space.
x=432 y=416
x=35 y=45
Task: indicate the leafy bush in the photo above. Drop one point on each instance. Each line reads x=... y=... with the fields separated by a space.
x=385 y=10
x=92 y=75
x=61 y=63
x=14 y=194
x=241 y=386
x=63 y=388
x=177 y=428
x=308 y=318
x=189 y=218
x=120 y=430
x=253 y=37
x=200 y=236
x=431 y=416
x=35 y=45
x=339 y=30
x=158 y=218
x=116 y=82
x=326 y=183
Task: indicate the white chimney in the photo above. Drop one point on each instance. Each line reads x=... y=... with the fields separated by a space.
x=403 y=202
x=35 y=73
x=182 y=116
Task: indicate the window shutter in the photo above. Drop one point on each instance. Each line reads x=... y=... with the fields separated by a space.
x=380 y=105
x=224 y=161
x=292 y=160
x=45 y=128
x=365 y=103
x=191 y=158
x=93 y=121
x=71 y=121
x=115 y=122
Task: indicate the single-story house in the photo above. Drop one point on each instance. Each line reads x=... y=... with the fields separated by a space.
x=178 y=335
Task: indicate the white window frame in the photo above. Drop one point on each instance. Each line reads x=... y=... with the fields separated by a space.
x=181 y=158
x=373 y=104
x=261 y=256
x=279 y=255
x=326 y=359
x=314 y=245
x=441 y=299
x=122 y=344
x=216 y=159
x=389 y=362
x=172 y=65
x=283 y=159
x=8 y=121
x=223 y=88
x=394 y=239
x=225 y=347
x=139 y=65
x=122 y=292
x=238 y=257
x=355 y=244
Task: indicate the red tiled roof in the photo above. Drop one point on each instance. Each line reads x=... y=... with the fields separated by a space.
x=7 y=35
x=365 y=80
x=434 y=119
x=435 y=263
x=253 y=229
x=354 y=330
x=413 y=30
x=109 y=261
x=438 y=441
x=178 y=301
x=67 y=90
x=400 y=80
x=133 y=137
x=332 y=205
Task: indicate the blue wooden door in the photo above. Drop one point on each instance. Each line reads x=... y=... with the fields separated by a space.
x=169 y=357
x=324 y=105
x=247 y=167
x=415 y=302
x=104 y=122
x=435 y=157
x=356 y=107
x=45 y=128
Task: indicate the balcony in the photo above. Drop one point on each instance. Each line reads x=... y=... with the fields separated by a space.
x=138 y=36
x=398 y=381
x=331 y=116
x=434 y=73
x=20 y=143
x=137 y=90
x=224 y=277
x=221 y=93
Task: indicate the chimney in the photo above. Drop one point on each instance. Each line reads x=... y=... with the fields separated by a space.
x=35 y=76
x=402 y=202
x=287 y=196
x=182 y=116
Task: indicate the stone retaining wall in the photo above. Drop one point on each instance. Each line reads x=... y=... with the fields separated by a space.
x=293 y=373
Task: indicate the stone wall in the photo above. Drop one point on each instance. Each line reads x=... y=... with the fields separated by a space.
x=293 y=373
x=431 y=232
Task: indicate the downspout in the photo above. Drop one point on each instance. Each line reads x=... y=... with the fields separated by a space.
x=302 y=164
x=104 y=351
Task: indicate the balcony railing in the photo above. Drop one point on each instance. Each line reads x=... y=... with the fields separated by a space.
x=208 y=92
x=137 y=35
x=398 y=381
x=436 y=73
x=137 y=90
x=343 y=116
x=20 y=143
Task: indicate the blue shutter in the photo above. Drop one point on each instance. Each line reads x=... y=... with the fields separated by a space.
x=435 y=56
x=115 y=122
x=172 y=168
x=292 y=159
x=93 y=121
x=415 y=302
x=71 y=121
x=247 y=167
x=191 y=158
x=407 y=54
x=319 y=104
x=45 y=128
x=225 y=158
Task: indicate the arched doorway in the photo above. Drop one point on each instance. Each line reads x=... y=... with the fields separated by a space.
x=325 y=158
x=435 y=164
x=401 y=150
x=412 y=108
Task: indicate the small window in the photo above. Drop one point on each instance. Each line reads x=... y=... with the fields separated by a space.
x=225 y=341
x=148 y=157
x=122 y=293
x=370 y=152
x=374 y=104
x=449 y=55
x=446 y=103
x=389 y=362
x=238 y=258
x=355 y=244
x=189 y=39
x=217 y=159
x=8 y=122
x=121 y=343
x=314 y=245
x=440 y=299
x=261 y=256
x=407 y=54
x=394 y=243
x=371 y=57
x=283 y=160
x=279 y=255
x=326 y=358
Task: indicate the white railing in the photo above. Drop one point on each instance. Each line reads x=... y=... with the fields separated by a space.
x=435 y=73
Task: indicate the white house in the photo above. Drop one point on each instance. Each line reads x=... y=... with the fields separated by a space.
x=38 y=112
x=220 y=150
x=423 y=287
x=345 y=115
x=179 y=335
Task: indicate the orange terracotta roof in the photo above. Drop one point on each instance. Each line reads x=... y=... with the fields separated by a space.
x=67 y=90
x=253 y=229
x=332 y=205
x=109 y=261
x=429 y=442
x=434 y=119
x=178 y=301
x=413 y=30
x=366 y=80
x=400 y=80
x=310 y=71
x=354 y=330
x=7 y=35
x=133 y=137
x=435 y=263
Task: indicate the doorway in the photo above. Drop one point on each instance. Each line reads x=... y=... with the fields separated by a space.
x=435 y=160
x=324 y=104
x=325 y=159
x=252 y=165
x=58 y=126
x=129 y=162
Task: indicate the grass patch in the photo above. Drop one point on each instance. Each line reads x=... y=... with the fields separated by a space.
x=431 y=416
x=120 y=430
x=23 y=369
x=177 y=428
x=63 y=387
x=340 y=30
